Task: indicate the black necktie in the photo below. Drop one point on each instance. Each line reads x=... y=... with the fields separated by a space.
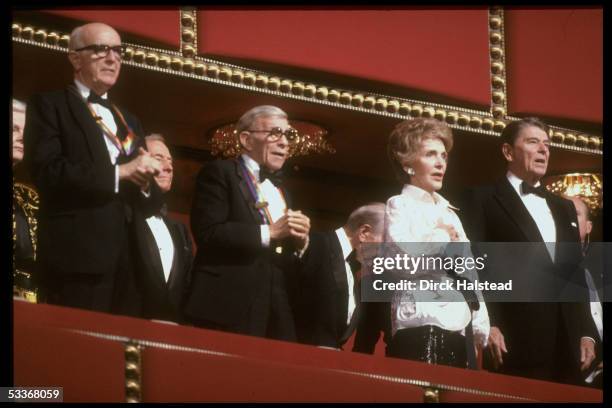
x=527 y=188
x=353 y=262
x=95 y=98
x=276 y=178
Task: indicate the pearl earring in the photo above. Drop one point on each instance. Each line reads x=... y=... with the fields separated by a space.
x=410 y=171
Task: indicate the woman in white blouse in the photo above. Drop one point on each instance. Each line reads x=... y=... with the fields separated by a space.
x=422 y=329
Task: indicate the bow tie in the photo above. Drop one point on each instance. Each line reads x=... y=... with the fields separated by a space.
x=527 y=188
x=276 y=178
x=95 y=98
x=353 y=262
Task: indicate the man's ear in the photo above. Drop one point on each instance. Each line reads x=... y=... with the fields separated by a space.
x=245 y=141
x=507 y=152
x=364 y=232
x=75 y=60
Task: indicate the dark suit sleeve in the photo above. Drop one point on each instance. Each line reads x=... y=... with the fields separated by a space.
x=375 y=319
x=187 y=253
x=46 y=143
x=473 y=218
x=210 y=215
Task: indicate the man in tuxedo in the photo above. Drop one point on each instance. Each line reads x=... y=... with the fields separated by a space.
x=329 y=306
x=594 y=282
x=248 y=238
x=543 y=340
x=164 y=246
x=87 y=160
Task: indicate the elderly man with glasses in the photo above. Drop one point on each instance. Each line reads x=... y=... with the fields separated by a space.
x=88 y=161
x=248 y=237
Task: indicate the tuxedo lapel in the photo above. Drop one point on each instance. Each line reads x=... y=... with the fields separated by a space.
x=516 y=210
x=337 y=263
x=153 y=259
x=246 y=193
x=177 y=261
x=91 y=130
x=356 y=314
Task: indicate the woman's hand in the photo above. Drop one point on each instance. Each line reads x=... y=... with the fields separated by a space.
x=452 y=232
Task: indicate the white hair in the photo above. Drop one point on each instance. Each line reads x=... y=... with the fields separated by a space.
x=76 y=38
x=18 y=106
x=246 y=121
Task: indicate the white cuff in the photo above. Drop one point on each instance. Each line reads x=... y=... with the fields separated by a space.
x=265 y=236
x=116 y=178
x=590 y=338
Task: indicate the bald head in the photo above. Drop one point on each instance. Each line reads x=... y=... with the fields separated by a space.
x=81 y=36
x=95 y=56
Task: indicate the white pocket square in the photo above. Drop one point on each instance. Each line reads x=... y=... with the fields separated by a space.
x=574 y=225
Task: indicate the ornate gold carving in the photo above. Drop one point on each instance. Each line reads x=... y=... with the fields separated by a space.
x=428 y=112
x=285 y=86
x=431 y=395
x=188 y=23
x=195 y=67
x=369 y=102
x=333 y=95
x=274 y=83
x=381 y=104
x=311 y=138
x=393 y=106
x=587 y=186
x=225 y=73
x=357 y=100
x=310 y=90
x=133 y=371
x=499 y=107
x=25 y=198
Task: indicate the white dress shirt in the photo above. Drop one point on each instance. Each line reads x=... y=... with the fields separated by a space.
x=345 y=244
x=415 y=216
x=270 y=193
x=164 y=242
x=596 y=309
x=540 y=212
x=109 y=121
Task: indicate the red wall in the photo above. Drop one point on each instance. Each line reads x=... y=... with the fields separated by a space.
x=555 y=62
x=439 y=51
x=158 y=25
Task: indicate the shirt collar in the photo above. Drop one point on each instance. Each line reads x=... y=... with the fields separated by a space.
x=85 y=91
x=345 y=244
x=419 y=194
x=251 y=165
x=516 y=182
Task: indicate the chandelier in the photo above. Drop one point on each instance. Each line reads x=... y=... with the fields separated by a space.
x=311 y=138
x=587 y=186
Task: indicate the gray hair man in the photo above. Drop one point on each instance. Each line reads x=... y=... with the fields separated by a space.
x=88 y=161
x=247 y=234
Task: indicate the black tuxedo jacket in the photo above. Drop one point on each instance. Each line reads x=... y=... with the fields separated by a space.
x=83 y=223
x=160 y=299
x=231 y=268
x=321 y=313
x=542 y=338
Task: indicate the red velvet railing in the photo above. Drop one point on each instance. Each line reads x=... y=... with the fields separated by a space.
x=84 y=353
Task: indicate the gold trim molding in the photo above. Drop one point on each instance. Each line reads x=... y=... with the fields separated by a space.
x=133 y=371
x=189 y=32
x=204 y=69
x=497 y=56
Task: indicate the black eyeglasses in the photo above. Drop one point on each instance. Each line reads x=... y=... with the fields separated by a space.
x=276 y=133
x=102 y=50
